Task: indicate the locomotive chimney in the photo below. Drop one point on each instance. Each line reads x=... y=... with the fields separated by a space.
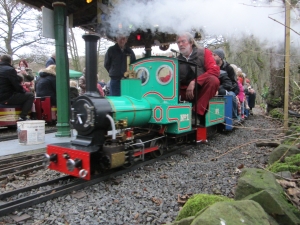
x=91 y=63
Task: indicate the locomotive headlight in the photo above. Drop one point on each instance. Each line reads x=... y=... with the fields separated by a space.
x=72 y=164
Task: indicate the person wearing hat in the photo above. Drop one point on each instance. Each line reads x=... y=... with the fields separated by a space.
x=51 y=60
x=219 y=57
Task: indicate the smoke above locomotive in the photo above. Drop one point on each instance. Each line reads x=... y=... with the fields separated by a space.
x=213 y=18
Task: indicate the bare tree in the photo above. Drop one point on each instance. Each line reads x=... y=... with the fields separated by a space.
x=18 y=28
x=73 y=51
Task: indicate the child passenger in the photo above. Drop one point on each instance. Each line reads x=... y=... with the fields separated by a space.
x=241 y=96
x=27 y=87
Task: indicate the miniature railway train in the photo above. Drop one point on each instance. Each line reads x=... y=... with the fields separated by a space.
x=9 y=114
x=147 y=119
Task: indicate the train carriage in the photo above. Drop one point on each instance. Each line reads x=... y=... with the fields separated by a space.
x=9 y=114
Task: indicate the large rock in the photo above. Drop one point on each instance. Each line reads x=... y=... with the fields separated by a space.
x=198 y=202
x=280 y=150
x=244 y=212
x=254 y=180
x=184 y=221
x=261 y=186
x=275 y=205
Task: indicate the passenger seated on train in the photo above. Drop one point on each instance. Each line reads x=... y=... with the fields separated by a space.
x=250 y=93
x=225 y=83
x=46 y=83
x=26 y=73
x=219 y=56
x=207 y=77
x=11 y=91
x=26 y=86
x=241 y=97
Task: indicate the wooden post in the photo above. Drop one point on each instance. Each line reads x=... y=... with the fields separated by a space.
x=287 y=63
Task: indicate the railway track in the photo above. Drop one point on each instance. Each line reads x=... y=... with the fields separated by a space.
x=17 y=166
x=9 y=206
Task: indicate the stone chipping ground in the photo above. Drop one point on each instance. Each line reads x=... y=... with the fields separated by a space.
x=150 y=195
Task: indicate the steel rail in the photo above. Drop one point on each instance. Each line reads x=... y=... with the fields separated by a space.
x=77 y=185
x=29 y=188
x=19 y=158
x=3 y=177
x=21 y=167
x=17 y=164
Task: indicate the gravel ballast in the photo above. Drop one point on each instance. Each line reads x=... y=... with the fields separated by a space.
x=149 y=195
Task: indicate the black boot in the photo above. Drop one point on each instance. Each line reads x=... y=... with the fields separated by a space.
x=33 y=115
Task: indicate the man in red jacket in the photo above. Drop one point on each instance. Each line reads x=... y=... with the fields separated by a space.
x=207 y=73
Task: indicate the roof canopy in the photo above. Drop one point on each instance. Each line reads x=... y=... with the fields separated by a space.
x=81 y=13
x=84 y=15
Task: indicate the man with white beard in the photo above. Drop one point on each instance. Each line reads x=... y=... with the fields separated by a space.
x=207 y=74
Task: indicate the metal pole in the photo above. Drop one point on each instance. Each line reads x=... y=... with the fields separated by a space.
x=148 y=51
x=62 y=70
x=287 y=64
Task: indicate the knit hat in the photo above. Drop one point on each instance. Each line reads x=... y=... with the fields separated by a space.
x=220 y=53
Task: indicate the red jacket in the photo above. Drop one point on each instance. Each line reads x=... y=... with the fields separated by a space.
x=206 y=66
x=210 y=67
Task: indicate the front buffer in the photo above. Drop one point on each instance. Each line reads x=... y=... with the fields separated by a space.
x=77 y=161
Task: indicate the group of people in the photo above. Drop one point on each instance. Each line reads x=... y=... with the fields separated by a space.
x=12 y=91
x=215 y=76
x=234 y=82
x=18 y=86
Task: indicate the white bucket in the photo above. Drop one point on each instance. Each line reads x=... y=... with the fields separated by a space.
x=31 y=132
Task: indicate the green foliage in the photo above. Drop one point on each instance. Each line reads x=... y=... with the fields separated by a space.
x=289 y=141
x=296 y=91
x=291 y=164
x=276 y=113
x=294 y=160
x=265 y=92
x=198 y=202
x=275 y=102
